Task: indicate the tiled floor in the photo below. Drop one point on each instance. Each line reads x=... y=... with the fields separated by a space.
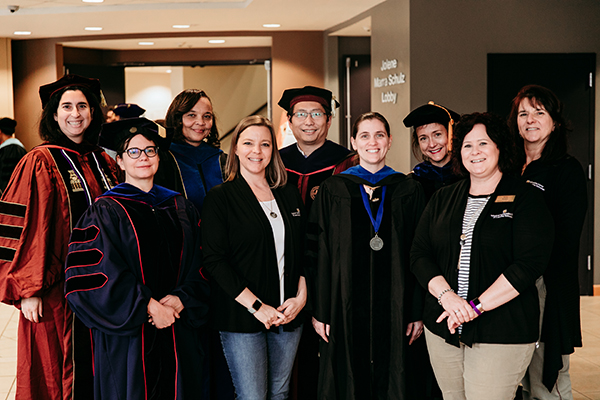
x=585 y=363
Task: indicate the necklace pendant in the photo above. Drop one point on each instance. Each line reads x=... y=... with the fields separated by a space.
x=376 y=243
x=273 y=214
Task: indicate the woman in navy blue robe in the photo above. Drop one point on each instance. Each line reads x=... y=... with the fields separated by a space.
x=133 y=275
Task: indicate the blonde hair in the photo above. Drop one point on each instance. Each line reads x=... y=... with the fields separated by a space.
x=275 y=172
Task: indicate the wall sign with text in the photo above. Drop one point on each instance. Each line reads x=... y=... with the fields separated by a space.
x=392 y=79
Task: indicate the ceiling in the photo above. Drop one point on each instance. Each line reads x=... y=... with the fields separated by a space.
x=125 y=23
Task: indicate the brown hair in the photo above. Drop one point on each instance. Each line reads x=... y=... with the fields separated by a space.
x=275 y=172
x=368 y=116
x=556 y=146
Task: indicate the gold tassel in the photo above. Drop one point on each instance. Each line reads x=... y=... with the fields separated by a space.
x=450 y=124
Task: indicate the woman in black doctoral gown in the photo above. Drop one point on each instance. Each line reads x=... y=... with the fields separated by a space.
x=362 y=292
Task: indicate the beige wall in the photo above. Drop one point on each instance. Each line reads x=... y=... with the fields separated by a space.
x=236 y=91
x=390 y=41
x=37 y=63
x=298 y=61
x=6 y=85
x=148 y=89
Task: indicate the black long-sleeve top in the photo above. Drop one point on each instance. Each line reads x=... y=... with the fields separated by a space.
x=239 y=252
x=513 y=236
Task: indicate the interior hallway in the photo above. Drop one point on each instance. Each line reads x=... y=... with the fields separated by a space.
x=585 y=363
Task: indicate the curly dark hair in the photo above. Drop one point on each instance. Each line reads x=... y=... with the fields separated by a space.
x=498 y=132
x=556 y=146
x=369 y=116
x=183 y=103
x=49 y=129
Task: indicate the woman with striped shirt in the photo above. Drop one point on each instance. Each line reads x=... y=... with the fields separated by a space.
x=478 y=249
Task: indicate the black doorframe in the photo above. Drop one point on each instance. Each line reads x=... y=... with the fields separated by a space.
x=571 y=77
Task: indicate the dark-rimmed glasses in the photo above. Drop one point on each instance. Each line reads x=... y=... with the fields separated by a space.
x=135 y=153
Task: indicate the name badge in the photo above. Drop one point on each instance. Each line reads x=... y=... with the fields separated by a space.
x=505 y=199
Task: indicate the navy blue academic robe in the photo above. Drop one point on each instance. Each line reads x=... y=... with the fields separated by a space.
x=128 y=247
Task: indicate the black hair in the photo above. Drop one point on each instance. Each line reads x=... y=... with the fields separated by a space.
x=48 y=127
x=498 y=132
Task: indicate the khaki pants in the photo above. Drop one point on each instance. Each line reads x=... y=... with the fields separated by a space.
x=482 y=372
x=533 y=388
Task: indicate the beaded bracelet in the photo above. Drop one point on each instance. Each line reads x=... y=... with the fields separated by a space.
x=443 y=293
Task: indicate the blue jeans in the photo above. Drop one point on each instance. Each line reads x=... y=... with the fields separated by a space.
x=261 y=363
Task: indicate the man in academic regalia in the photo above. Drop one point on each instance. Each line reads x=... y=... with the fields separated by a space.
x=308 y=162
x=313 y=158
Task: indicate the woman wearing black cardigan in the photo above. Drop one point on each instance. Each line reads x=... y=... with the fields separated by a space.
x=253 y=230
x=540 y=130
x=479 y=248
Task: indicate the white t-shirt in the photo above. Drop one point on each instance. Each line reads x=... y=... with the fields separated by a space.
x=278 y=229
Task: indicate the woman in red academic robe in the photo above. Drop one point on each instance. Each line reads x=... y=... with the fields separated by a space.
x=49 y=190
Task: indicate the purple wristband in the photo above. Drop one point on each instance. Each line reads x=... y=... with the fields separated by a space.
x=475 y=307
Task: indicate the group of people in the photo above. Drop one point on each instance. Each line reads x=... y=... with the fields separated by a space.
x=175 y=271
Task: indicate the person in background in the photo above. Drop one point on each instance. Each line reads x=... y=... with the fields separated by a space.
x=540 y=130
x=308 y=162
x=253 y=228
x=11 y=150
x=128 y=110
x=479 y=248
x=431 y=137
x=50 y=189
x=363 y=295
x=144 y=298
x=192 y=166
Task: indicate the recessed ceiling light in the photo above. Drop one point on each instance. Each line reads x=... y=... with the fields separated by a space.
x=22 y=33
x=271 y=25
x=181 y=26
x=146 y=43
x=216 y=41
x=93 y=1
x=169 y=71
x=93 y=28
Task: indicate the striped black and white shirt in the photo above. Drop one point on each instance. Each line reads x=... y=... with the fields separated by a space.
x=475 y=204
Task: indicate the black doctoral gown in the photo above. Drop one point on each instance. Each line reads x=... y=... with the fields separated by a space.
x=131 y=246
x=368 y=297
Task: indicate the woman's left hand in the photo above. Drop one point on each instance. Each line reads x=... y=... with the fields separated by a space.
x=290 y=308
x=172 y=301
x=457 y=311
x=414 y=330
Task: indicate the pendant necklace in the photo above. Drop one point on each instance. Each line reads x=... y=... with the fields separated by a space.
x=376 y=242
x=272 y=213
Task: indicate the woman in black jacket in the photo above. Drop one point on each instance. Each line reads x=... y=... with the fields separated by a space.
x=253 y=230
x=540 y=131
x=479 y=248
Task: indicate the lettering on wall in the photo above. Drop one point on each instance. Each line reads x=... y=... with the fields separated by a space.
x=392 y=79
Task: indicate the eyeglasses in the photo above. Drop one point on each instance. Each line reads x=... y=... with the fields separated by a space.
x=302 y=115
x=135 y=153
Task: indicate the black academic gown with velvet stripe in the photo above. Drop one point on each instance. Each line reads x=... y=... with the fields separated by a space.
x=128 y=247
x=307 y=173
x=368 y=297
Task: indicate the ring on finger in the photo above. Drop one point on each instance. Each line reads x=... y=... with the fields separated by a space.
x=456 y=311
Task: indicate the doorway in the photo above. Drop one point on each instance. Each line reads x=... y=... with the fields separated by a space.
x=571 y=78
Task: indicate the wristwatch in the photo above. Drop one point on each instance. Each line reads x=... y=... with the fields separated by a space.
x=255 y=307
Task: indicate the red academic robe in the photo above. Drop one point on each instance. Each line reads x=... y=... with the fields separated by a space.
x=50 y=189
